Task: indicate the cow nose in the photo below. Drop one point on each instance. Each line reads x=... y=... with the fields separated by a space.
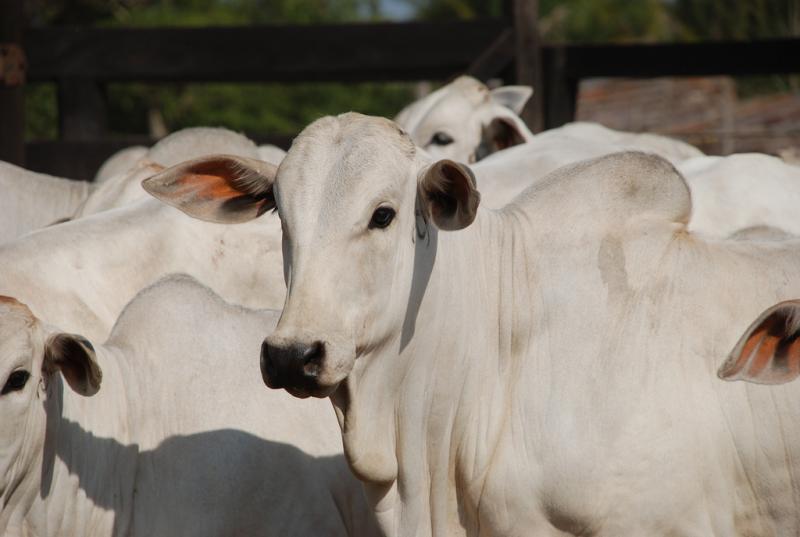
x=289 y=366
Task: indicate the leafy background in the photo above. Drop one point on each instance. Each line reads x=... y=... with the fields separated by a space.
x=260 y=109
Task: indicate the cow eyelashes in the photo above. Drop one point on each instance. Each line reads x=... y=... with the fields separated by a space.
x=441 y=138
x=382 y=217
x=16 y=381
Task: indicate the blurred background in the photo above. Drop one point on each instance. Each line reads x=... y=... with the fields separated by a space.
x=718 y=114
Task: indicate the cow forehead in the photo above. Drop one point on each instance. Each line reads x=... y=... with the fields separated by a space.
x=341 y=158
x=16 y=324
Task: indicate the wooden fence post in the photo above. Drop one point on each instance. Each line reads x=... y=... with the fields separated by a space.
x=528 y=60
x=561 y=90
x=12 y=83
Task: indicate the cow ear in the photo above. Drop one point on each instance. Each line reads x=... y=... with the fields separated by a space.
x=500 y=134
x=769 y=351
x=513 y=97
x=74 y=356
x=448 y=194
x=219 y=188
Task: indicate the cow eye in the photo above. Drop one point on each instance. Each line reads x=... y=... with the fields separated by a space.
x=16 y=381
x=382 y=217
x=441 y=138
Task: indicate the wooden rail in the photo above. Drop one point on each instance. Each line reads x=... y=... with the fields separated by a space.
x=565 y=66
x=82 y=60
x=348 y=53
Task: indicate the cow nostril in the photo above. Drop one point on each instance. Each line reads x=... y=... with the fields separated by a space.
x=313 y=356
x=268 y=370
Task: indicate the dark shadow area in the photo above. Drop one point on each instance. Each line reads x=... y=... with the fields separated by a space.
x=220 y=482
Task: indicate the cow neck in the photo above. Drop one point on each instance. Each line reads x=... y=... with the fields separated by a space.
x=410 y=420
x=89 y=465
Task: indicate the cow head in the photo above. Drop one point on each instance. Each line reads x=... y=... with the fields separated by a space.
x=465 y=121
x=360 y=207
x=769 y=350
x=31 y=355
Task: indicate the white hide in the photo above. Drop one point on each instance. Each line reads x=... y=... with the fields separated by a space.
x=30 y=200
x=669 y=148
x=743 y=191
x=181 y=439
x=120 y=162
x=80 y=274
x=730 y=194
x=460 y=111
x=548 y=369
x=270 y=153
x=185 y=144
x=503 y=175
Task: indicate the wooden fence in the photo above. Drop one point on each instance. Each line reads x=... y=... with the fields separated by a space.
x=82 y=60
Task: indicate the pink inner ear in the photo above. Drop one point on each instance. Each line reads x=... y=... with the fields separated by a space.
x=769 y=355
x=208 y=187
x=758 y=352
x=211 y=180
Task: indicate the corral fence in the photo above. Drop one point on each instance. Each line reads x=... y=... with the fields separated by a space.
x=81 y=61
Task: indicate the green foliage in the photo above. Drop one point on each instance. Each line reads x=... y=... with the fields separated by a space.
x=40 y=112
x=605 y=21
x=728 y=19
x=257 y=109
x=253 y=108
x=457 y=9
x=284 y=109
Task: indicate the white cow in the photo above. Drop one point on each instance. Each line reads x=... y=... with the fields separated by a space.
x=180 y=439
x=270 y=153
x=505 y=174
x=671 y=149
x=79 y=275
x=467 y=121
x=30 y=200
x=546 y=369
x=729 y=194
x=120 y=162
x=180 y=146
x=743 y=191
x=769 y=350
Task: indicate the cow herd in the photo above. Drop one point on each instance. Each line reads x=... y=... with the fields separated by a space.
x=519 y=334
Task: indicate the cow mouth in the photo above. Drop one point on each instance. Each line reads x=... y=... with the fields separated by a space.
x=317 y=391
x=303 y=388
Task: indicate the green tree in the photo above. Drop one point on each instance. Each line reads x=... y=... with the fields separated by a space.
x=257 y=109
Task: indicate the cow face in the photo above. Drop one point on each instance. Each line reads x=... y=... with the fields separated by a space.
x=358 y=206
x=30 y=356
x=465 y=121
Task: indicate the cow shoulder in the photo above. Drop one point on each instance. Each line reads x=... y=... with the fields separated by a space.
x=615 y=188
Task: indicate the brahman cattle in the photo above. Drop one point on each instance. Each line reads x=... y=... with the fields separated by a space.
x=80 y=274
x=178 y=147
x=120 y=162
x=545 y=369
x=505 y=174
x=741 y=191
x=30 y=200
x=467 y=121
x=179 y=439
